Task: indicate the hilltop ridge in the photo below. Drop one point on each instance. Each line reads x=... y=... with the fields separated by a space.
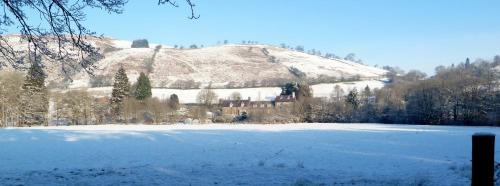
x=222 y=66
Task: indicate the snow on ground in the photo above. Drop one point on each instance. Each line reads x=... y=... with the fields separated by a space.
x=313 y=65
x=262 y=93
x=219 y=65
x=189 y=96
x=122 y=43
x=328 y=154
x=324 y=90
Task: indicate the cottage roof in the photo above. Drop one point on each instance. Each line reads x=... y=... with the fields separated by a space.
x=260 y=103
x=285 y=98
x=235 y=103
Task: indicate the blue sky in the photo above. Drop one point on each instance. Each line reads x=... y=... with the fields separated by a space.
x=412 y=34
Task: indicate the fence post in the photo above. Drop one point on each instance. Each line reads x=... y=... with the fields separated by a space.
x=483 y=159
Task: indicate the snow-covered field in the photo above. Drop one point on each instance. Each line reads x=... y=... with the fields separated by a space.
x=329 y=154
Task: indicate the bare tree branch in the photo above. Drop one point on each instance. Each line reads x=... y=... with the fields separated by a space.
x=59 y=34
x=174 y=3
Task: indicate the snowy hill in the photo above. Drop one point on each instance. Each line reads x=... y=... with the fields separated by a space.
x=236 y=65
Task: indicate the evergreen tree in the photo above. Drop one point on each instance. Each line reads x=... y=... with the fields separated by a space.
x=289 y=88
x=496 y=60
x=143 y=88
x=299 y=48
x=366 y=94
x=121 y=88
x=352 y=98
x=303 y=104
x=338 y=93
x=467 y=63
x=34 y=98
x=173 y=102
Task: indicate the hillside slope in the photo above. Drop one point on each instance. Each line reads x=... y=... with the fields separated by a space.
x=222 y=66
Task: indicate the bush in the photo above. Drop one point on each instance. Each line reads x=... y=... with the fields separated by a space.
x=58 y=84
x=140 y=43
x=271 y=59
x=296 y=72
x=101 y=81
x=223 y=119
x=265 y=51
x=241 y=118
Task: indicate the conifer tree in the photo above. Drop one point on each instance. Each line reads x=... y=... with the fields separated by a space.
x=352 y=98
x=143 y=88
x=34 y=98
x=303 y=103
x=366 y=94
x=467 y=63
x=121 y=89
x=289 y=88
x=173 y=102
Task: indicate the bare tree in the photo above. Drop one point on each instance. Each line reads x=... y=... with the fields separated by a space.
x=199 y=112
x=235 y=96
x=337 y=93
x=207 y=97
x=59 y=34
x=10 y=101
x=75 y=106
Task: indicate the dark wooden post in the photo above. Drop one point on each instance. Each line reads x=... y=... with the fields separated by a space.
x=483 y=159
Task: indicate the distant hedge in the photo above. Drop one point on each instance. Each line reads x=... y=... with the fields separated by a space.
x=140 y=43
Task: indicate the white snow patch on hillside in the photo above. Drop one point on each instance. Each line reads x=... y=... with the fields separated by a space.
x=497 y=68
x=325 y=90
x=288 y=154
x=154 y=45
x=258 y=65
x=79 y=83
x=256 y=94
x=220 y=64
x=313 y=66
x=189 y=96
x=122 y=43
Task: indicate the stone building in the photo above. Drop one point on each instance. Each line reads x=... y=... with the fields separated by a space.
x=284 y=103
x=234 y=107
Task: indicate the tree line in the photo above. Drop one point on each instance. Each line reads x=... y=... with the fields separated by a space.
x=463 y=94
x=25 y=101
x=135 y=104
